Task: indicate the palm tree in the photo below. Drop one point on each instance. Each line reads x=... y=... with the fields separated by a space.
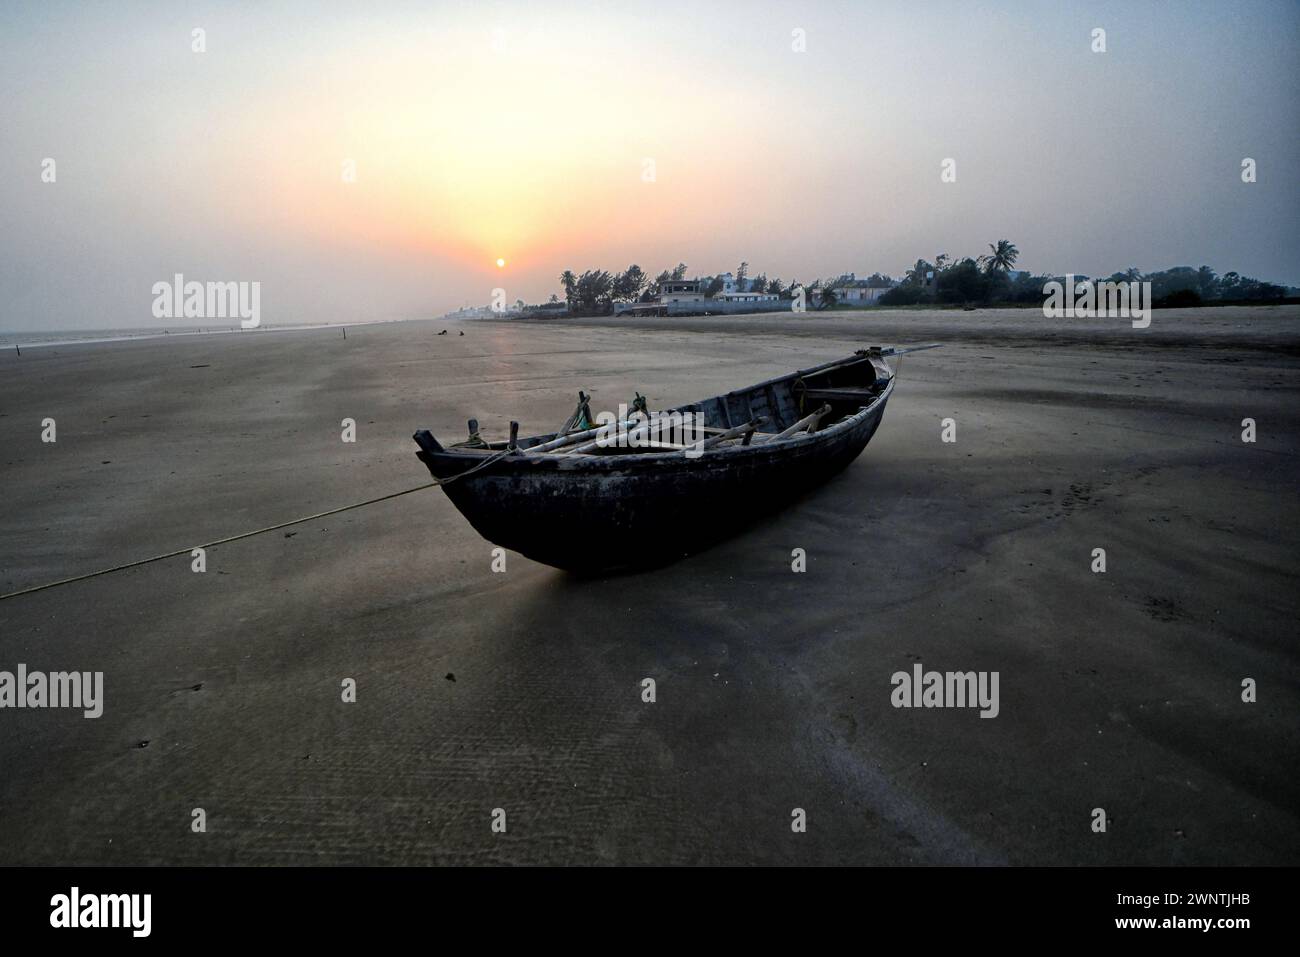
x=1002 y=256
x=570 y=283
x=916 y=275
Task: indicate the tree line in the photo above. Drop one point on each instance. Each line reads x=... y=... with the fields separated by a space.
x=983 y=279
x=595 y=291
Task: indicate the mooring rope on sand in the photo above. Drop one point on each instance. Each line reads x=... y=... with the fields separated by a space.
x=259 y=531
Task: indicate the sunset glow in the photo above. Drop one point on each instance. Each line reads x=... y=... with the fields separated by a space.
x=398 y=156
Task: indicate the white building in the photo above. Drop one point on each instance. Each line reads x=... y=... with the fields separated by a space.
x=861 y=291
x=681 y=290
x=731 y=284
x=728 y=281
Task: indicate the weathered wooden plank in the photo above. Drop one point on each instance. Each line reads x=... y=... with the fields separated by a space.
x=808 y=422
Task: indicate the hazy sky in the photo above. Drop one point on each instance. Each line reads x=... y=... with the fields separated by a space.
x=520 y=130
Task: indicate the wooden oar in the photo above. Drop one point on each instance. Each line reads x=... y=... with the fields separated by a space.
x=605 y=435
x=807 y=422
x=889 y=353
x=575 y=437
x=641 y=433
x=747 y=430
x=563 y=441
x=641 y=430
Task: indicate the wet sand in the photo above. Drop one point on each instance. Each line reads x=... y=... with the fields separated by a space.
x=1120 y=691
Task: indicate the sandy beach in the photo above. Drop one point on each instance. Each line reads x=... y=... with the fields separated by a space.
x=522 y=690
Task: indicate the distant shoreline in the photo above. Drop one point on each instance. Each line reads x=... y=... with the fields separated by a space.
x=1266 y=307
x=9 y=340
x=857 y=309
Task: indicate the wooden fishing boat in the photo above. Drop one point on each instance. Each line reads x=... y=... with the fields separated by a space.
x=591 y=502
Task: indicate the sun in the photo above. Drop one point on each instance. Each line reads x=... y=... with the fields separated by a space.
x=501 y=264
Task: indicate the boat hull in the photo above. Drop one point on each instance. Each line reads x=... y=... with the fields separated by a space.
x=591 y=514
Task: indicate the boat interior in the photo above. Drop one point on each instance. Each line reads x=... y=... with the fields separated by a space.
x=778 y=410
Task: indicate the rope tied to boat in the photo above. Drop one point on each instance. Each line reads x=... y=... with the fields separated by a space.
x=189 y=550
x=799 y=389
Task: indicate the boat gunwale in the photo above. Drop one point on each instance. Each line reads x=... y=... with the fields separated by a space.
x=568 y=463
